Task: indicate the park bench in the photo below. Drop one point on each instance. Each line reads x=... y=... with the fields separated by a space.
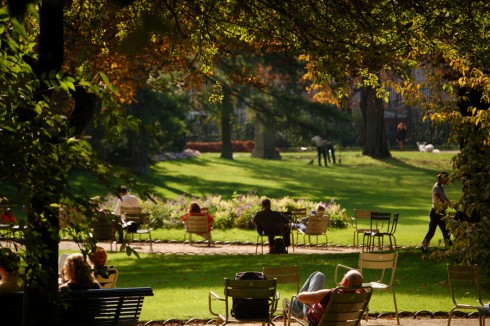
x=120 y=306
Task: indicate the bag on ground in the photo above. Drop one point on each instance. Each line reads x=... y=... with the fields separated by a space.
x=250 y=308
x=279 y=247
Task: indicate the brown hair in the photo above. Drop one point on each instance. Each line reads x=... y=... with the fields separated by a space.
x=194 y=208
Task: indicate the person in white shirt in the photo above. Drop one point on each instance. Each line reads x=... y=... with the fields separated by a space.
x=126 y=200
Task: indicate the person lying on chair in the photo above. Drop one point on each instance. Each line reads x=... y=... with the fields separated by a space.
x=315 y=295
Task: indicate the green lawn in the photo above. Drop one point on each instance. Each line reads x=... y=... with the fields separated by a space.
x=400 y=184
x=181 y=283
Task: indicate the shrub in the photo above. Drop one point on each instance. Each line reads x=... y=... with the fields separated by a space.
x=338 y=215
x=227 y=213
x=215 y=147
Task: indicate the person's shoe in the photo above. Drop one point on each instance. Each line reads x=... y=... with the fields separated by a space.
x=285 y=306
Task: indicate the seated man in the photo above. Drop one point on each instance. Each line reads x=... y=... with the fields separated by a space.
x=126 y=200
x=314 y=294
x=272 y=223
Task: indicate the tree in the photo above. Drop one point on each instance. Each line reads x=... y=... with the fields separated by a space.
x=43 y=112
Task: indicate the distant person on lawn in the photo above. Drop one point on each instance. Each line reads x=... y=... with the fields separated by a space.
x=438 y=211
x=268 y=220
x=321 y=150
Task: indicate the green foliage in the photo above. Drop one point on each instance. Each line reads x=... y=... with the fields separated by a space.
x=9 y=260
x=471 y=244
x=233 y=213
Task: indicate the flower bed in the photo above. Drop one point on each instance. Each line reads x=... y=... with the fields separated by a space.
x=228 y=213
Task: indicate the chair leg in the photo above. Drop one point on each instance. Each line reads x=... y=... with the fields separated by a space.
x=396 y=307
x=151 y=242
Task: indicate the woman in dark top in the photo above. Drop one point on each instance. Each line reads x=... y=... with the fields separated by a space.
x=401 y=135
x=77 y=274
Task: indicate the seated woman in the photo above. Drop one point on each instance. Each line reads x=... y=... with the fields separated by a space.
x=194 y=208
x=77 y=274
x=9 y=269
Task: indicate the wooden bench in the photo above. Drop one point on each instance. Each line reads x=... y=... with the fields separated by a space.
x=87 y=307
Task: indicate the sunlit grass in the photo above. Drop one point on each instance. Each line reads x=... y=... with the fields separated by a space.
x=181 y=283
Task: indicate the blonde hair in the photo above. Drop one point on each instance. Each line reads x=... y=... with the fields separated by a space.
x=77 y=270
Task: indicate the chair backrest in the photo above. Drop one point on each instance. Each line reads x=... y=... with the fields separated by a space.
x=317 y=224
x=464 y=281
x=362 y=215
x=103 y=229
x=346 y=306
x=107 y=279
x=140 y=218
x=196 y=223
x=378 y=261
x=380 y=220
x=61 y=262
x=283 y=274
x=251 y=289
x=297 y=213
x=394 y=223
x=130 y=210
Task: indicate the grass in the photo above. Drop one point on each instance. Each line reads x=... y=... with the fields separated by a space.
x=181 y=283
x=399 y=184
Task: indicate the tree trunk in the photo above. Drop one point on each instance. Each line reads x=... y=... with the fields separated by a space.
x=138 y=148
x=42 y=236
x=265 y=142
x=226 y=113
x=41 y=290
x=374 y=130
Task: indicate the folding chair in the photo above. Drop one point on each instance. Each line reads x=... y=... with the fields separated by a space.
x=378 y=221
x=107 y=278
x=373 y=267
x=134 y=214
x=317 y=225
x=361 y=215
x=464 y=283
x=104 y=229
x=346 y=307
x=197 y=223
x=283 y=275
x=245 y=289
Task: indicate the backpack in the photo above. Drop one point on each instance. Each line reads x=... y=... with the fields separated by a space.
x=279 y=247
x=250 y=308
